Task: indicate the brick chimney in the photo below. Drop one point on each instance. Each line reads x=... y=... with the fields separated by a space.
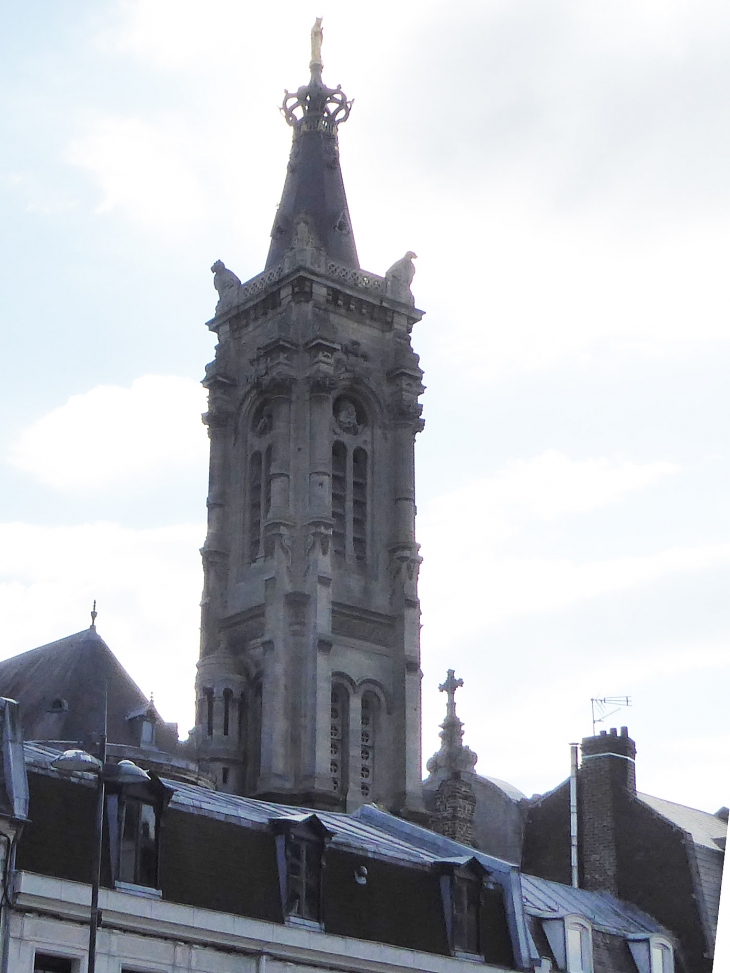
x=606 y=784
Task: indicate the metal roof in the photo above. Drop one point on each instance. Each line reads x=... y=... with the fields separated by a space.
x=551 y=900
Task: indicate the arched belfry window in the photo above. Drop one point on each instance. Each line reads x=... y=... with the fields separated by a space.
x=369 y=719
x=350 y=480
x=339 y=745
x=259 y=492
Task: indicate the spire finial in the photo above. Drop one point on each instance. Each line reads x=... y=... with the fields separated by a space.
x=314 y=107
x=94 y=613
x=453 y=756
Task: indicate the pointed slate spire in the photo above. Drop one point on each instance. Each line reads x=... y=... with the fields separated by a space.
x=313 y=209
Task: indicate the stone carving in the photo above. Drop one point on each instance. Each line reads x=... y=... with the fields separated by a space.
x=453 y=757
x=403 y=270
x=404 y=567
x=317 y=36
x=265 y=421
x=353 y=349
x=399 y=277
x=302 y=238
x=314 y=106
x=227 y=285
x=346 y=416
x=318 y=540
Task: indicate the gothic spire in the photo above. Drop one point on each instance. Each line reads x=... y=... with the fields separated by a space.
x=313 y=209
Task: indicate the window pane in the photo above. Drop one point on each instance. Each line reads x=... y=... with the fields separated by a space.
x=52 y=964
x=465 y=919
x=128 y=849
x=303 y=859
x=147 y=873
x=659 y=958
x=575 y=947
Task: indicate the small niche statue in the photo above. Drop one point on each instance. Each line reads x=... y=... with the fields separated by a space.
x=227 y=285
x=265 y=422
x=346 y=416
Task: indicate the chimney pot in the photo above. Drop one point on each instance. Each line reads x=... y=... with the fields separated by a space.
x=614 y=731
x=624 y=731
x=604 y=733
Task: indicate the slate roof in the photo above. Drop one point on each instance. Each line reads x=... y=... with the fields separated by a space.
x=706 y=829
x=314 y=188
x=708 y=833
x=75 y=670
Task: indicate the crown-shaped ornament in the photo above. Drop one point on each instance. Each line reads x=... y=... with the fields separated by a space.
x=314 y=106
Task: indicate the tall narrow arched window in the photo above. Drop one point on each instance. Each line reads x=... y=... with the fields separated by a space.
x=241 y=715
x=368 y=741
x=209 y=710
x=339 y=497
x=254 y=506
x=339 y=750
x=227 y=695
x=359 y=503
x=259 y=498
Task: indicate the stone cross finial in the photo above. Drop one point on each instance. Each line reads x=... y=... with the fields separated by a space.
x=450 y=686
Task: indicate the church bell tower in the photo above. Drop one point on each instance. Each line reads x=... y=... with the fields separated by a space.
x=308 y=688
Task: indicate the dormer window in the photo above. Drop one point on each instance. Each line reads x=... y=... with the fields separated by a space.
x=144 y=719
x=661 y=958
x=300 y=846
x=134 y=813
x=462 y=882
x=147 y=733
x=571 y=941
x=578 y=946
x=652 y=954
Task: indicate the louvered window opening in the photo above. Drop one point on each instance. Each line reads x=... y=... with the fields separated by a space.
x=367 y=745
x=259 y=499
x=338 y=740
x=350 y=501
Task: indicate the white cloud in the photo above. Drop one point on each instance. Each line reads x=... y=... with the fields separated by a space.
x=146 y=169
x=147 y=584
x=494 y=583
x=544 y=487
x=111 y=434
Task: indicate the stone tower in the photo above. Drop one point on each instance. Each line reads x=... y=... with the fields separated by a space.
x=308 y=686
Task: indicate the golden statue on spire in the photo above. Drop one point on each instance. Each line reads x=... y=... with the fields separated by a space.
x=317 y=35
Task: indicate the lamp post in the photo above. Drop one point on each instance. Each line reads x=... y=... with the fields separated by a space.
x=124 y=772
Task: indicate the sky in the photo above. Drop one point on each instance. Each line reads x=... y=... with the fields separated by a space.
x=560 y=168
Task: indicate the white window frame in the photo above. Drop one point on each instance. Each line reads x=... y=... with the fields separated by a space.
x=585 y=939
x=557 y=932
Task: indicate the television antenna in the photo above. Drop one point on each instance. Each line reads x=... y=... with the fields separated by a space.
x=600 y=708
